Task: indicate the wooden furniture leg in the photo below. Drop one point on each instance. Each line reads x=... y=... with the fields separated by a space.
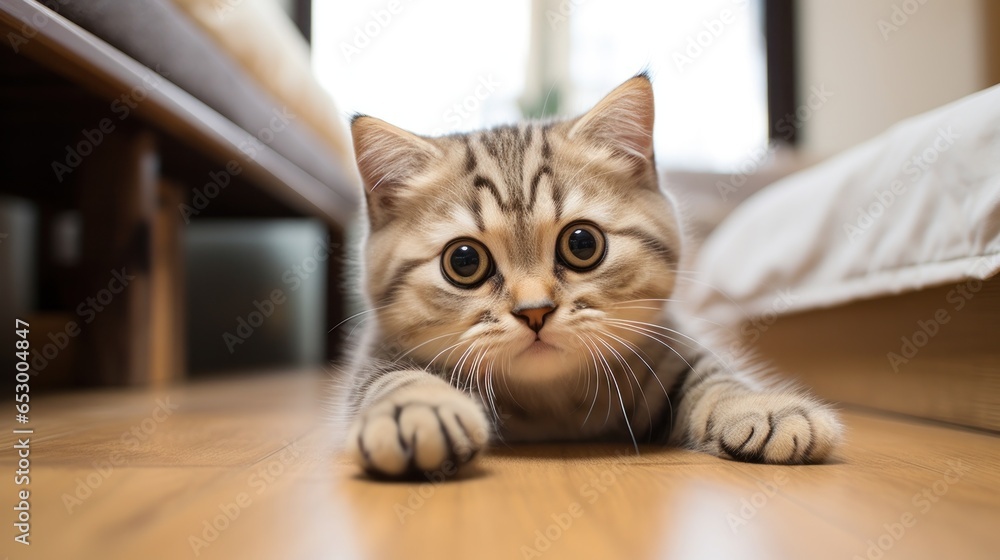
x=119 y=185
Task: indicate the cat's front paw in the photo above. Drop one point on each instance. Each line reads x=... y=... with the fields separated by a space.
x=771 y=428
x=418 y=429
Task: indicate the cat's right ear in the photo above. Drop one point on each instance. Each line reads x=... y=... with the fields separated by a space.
x=387 y=158
x=622 y=121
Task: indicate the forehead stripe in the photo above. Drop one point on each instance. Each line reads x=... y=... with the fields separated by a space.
x=544 y=170
x=470 y=156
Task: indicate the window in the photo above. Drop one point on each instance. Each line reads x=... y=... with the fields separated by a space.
x=451 y=65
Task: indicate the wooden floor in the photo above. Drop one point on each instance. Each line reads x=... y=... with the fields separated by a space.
x=113 y=478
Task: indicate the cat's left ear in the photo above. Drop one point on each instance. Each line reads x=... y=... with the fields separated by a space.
x=388 y=158
x=622 y=121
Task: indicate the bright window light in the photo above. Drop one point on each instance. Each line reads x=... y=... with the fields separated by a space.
x=452 y=65
x=430 y=67
x=711 y=98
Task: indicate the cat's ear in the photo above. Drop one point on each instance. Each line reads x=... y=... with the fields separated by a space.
x=387 y=158
x=622 y=121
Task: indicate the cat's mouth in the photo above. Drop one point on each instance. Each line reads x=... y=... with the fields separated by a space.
x=538 y=347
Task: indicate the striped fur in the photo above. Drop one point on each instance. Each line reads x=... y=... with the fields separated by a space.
x=442 y=369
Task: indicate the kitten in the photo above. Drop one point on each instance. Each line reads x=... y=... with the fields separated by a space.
x=518 y=279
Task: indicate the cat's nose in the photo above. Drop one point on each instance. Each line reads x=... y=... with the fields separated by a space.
x=534 y=314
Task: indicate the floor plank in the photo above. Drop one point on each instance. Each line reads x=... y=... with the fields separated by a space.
x=111 y=478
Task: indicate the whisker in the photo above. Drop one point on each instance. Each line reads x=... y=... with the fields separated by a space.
x=638 y=327
x=621 y=362
x=597 y=385
x=489 y=390
x=621 y=359
x=709 y=321
x=640 y=332
x=708 y=285
x=694 y=340
x=581 y=170
x=667 y=300
x=452 y=347
x=359 y=323
x=355 y=316
x=581 y=362
x=407 y=353
x=697 y=342
x=621 y=400
x=606 y=367
x=638 y=307
x=502 y=371
x=475 y=375
x=619 y=305
x=652 y=372
x=456 y=370
x=503 y=377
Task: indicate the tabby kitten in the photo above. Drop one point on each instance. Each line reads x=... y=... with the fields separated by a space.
x=518 y=281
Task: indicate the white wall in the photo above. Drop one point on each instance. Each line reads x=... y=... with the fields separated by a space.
x=879 y=76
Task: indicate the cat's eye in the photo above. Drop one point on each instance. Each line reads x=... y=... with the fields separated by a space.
x=581 y=246
x=466 y=263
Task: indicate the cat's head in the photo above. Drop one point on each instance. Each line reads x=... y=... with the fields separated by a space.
x=520 y=249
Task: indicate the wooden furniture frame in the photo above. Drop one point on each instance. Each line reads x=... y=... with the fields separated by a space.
x=129 y=191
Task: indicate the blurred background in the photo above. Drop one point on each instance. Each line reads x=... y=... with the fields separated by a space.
x=177 y=180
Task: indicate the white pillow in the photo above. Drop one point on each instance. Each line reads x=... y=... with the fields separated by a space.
x=914 y=207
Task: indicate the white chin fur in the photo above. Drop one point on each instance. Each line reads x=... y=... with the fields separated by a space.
x=547 y=365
